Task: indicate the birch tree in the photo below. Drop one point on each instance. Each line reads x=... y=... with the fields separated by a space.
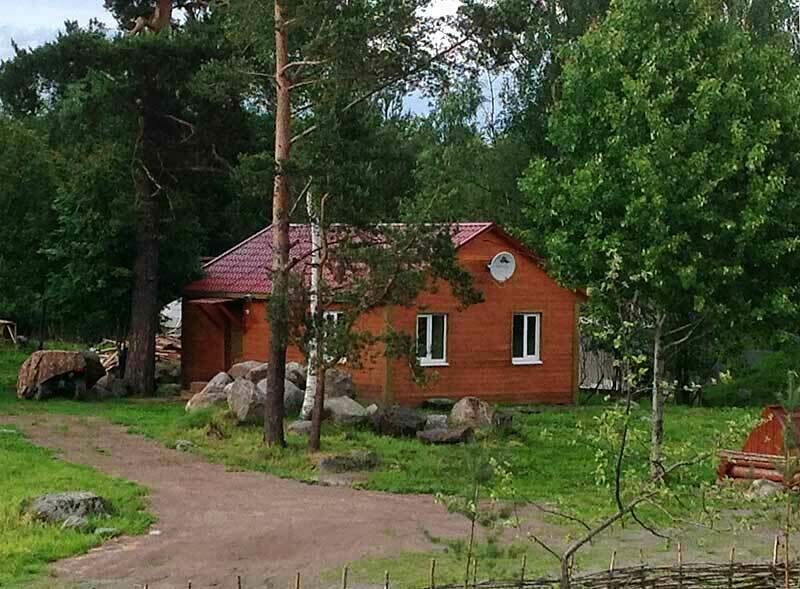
x=318 y=49
x=675 y=144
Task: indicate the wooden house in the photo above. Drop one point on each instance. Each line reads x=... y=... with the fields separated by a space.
x=519 y=345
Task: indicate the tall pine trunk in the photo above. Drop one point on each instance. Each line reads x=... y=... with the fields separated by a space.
x=141 y=358
x=279 y=303
x=657 y=419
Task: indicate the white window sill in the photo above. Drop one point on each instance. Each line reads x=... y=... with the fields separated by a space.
x=424 y=362
x=525 y=361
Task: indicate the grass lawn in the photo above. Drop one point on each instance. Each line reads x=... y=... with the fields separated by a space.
x=27 y=546
x=555 y=455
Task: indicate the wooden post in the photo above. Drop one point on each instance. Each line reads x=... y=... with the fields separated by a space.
x=475 y=573
x=385 y=579
x=522 y=572
x=297 y=580
x=611 y=583
x=775 y=550
x=680 y=566
x=238 y=581
x=344 y=578
x=730 y=569
x=466 y=576
x=433 y=574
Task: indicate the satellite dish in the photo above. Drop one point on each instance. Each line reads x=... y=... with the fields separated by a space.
x=502 y=266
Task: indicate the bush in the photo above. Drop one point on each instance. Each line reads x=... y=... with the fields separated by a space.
x=758 y=385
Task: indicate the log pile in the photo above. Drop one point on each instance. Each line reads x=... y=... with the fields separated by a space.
x=168 y=349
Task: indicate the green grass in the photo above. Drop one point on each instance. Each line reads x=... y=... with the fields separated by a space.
x=556 y=455
x=26 y=546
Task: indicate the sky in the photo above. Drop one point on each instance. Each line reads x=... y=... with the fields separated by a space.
x=33 y=22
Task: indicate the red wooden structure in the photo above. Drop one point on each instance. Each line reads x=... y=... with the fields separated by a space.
x=762 y=456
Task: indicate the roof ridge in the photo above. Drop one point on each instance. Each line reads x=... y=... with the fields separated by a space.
x=237 y=246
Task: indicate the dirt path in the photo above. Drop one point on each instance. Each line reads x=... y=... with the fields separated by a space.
x=216 y=524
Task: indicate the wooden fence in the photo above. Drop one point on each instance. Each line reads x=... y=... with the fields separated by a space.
x=686 y=576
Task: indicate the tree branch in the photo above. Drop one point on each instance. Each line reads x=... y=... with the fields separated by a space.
x=381 y=87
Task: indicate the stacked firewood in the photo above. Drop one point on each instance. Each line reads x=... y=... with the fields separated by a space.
x=168 y=349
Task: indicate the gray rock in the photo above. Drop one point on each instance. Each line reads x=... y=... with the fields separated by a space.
x=503 y=421
x=246 y=400
x=371 y=409
x=258 y=373
x=168 y=372
x=106 y=532
x=436 y=421
x=296 y=373
x=292 y=397
x=301 y=427
x=472 y=412
x=345 y=411
x=183 y=445
x=356 y=460
x=212 y=394
x=457 y=435
x=110 y=387
x=57 y=507
x=440 y=403
x=212 y=397
x=765 y=488
x=398 y=421
x=75 y=522
x=241 y=369
x=221 y=379
x=339 y=383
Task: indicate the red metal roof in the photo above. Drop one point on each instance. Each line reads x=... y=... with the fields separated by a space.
x=243 y=269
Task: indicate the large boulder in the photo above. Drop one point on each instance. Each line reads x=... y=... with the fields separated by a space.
x=168 y=372
x=109 y=387
x=472 y=412
x=292 y=396
x=296 y=374
x=456 y=435
x=59 y=507
x=301 y=427
x=345 y=411
x=212 y=394
x=339 y=383
x=356 y=460
x=765 y=488
x=246 y=401
x=398 y=421
x=241 y=369
x=436 y=421
x=250 y=369
x=51 y=373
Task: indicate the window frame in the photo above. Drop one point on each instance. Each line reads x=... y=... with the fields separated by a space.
x=527 y=359
x=427 y=360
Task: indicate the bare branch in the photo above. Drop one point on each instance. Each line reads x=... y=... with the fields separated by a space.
x=302 y=62
x=381 y=87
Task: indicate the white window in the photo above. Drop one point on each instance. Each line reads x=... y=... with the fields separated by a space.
x=432 y=339
x=525 y=338
x=331 y=317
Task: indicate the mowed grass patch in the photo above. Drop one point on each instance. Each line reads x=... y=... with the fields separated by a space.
x=27 y=546
x=556 y=455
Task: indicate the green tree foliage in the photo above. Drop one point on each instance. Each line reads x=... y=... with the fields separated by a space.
x=675 y=168
x=29 y=180
x=115 y=108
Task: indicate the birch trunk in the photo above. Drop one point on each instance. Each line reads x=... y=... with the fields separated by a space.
x=657 y=420
x=279 y=304
x=316 y=279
